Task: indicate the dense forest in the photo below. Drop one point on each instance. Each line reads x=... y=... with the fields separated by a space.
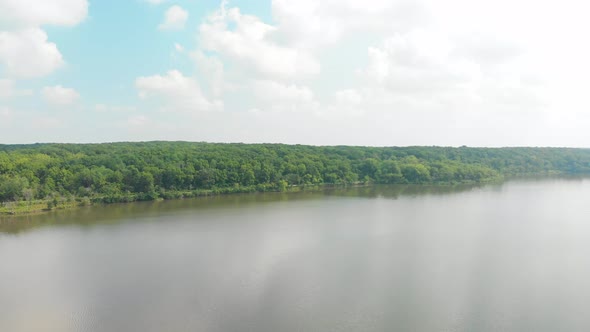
x=123 y=172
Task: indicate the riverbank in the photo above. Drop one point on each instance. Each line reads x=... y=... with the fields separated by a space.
x=23 y=208
x=35 y=207
x=64 y=203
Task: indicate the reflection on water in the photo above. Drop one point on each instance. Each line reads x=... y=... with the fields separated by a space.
x=508 y=257
x=115 y=213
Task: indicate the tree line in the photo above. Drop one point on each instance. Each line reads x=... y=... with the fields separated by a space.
x=122 y=172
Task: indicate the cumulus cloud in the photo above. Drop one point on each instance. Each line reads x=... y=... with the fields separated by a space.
x=59 y=96
x=34 y=13
x=25 y=51
x=393 y=72
x=247 y=40
x=174 y=19
x=419 y=63
x=429 y=67
x=421 y=49
x=28 y=54
x=316 y=23
x=178 y=92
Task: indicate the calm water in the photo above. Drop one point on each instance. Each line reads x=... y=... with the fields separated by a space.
x=511 y=257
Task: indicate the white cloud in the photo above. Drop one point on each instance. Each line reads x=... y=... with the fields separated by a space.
x=393 y=72
x=174 y=19
x=212 y=70
x=34 y=13
x=25 y=51
x=272 y=91
x=420 y=52
x=429 y=67
x=419 y=63
x=59 y=96
x=487 y=50
x=278 y=97
x=347 y=102
x=348 y=96
x=247 y=40
x=312 y=22
x=178 y=92
x=8 y=90
x=28 y=54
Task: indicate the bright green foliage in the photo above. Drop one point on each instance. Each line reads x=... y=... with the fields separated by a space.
x=12 y=187
x=389 y=172
x=416 y=173
x=121 y=172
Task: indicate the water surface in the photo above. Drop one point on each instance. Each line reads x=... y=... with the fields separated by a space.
x=510 y=257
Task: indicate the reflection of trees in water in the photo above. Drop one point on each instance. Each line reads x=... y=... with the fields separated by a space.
x=558 y=177
x=396 y=191
x=113 y=214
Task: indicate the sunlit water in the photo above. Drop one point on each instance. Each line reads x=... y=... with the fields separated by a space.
x=511 y=257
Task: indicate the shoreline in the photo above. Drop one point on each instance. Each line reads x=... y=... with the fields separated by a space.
x=37 y=207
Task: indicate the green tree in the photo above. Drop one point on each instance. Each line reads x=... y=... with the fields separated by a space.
x=12 y=187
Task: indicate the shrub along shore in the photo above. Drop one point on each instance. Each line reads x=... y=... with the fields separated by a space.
x=43 y=177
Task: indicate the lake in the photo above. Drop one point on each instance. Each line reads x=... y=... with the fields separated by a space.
x=503 y=257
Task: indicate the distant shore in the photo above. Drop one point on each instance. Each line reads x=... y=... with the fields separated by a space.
x=44 y=177
x=24 y=208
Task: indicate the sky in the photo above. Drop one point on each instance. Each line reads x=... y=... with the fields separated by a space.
x=330 y=72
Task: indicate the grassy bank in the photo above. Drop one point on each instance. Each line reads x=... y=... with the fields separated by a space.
x=64 y=203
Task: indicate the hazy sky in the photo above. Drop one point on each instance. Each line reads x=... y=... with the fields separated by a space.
x=357 y=72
